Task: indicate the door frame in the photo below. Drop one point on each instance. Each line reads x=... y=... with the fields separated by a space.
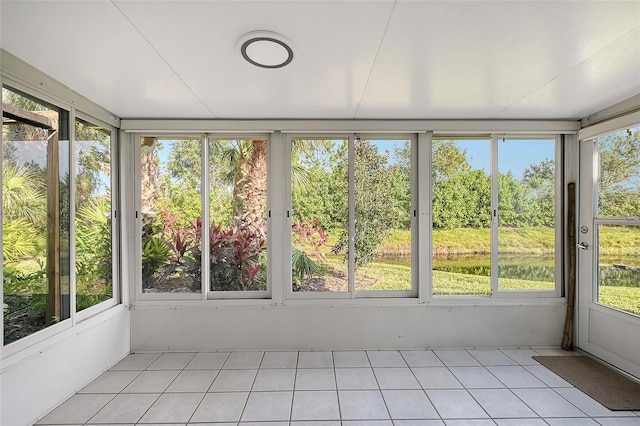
x=604 y=332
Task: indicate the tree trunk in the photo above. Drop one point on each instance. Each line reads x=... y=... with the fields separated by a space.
x=149 y=180
x=252 y=188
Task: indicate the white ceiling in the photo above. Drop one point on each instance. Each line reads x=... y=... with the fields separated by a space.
x=353 y=59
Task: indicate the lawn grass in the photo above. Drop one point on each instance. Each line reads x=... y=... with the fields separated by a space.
x=532 y=240
x=623 y=298
x=397 y=277
x=614 y=241
x=619 y=240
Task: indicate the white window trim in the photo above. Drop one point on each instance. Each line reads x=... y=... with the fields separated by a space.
x=352 y=292
x=206 y=293
x=56 y=96
x=496 y=292
x=116 y=280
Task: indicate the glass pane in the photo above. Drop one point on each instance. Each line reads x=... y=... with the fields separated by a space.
x=171 y=215
x=238 y=215
x=461 y=216
x=319 y=215
x=35 y=221
x=618 y=195
x=619 y=174
x=382 y=214
x=93 y=215
x=618 y=259
x=526 y=214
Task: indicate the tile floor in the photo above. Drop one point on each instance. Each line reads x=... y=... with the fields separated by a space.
x=334 y=388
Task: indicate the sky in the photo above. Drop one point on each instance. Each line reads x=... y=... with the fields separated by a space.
x=514 y=155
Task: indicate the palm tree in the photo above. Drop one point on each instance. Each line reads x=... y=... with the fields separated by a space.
x=24 y=211
x=246 y=162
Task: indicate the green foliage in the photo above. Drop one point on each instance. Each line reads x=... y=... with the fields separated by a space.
x=87 y=299
x=24 y=194
x=154 y=256
x=236 y=257
x=400 y=196
x=317 y=193
x=16 y=281
x=447 y=160
x=23 y=315
x=373 y=188
x=619 y=180
x=93 y=239
x=20 y=240
x=539 y=192
x=311 y=237
x=24 y=211
x=302 y=265
x=462 y=196
x=463 y=200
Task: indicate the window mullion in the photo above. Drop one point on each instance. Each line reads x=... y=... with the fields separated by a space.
x=494 y=215
x=424 y=191
x=352 y=224
x=205 y=186
x=72 y=214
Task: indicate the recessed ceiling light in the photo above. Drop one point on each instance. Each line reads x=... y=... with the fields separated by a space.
x=266 y=49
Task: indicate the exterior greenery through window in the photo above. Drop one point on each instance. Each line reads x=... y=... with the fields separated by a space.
x=94 y=268
x=363 y=243
x=36 y=215
x=36 y=228
x=172 y=220
x=618 y=211
x=467 y=216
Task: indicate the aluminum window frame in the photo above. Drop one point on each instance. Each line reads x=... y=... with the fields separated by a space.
x=205 y=293
x=352 y=293
x=39 y=337
x=559 y=257
x=116 y=295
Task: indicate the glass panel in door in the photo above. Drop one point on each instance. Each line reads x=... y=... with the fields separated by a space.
x=617 y=222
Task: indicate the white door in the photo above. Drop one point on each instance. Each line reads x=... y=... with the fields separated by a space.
x=609 y=249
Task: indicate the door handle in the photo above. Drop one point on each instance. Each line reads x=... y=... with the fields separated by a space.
x=583 y=246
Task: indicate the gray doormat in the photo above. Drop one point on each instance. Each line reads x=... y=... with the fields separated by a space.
x=608 y=387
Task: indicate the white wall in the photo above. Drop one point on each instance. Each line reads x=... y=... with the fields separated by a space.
x=36 y=380
x=349 y=326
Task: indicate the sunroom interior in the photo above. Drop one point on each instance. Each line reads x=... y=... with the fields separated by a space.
x=267 y=177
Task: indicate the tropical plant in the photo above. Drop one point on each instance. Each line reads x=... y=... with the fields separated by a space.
x=154 y=255
x=236 y=258
x=373 y=217
x=16 y=281
x=302 y=266
x=23 y=193
x=311 y=237
x=20 y=240
x=93 y=239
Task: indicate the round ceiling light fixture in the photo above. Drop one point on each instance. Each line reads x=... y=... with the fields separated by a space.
x=266 y=49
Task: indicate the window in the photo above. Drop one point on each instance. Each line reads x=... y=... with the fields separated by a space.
x=171 y=217
x=616 y=223
x=225 y=248
x=237 y=215
x=494 y=207
x=36 y=215
x=461 y=214
x=527 y=214
x=93 y=224
x=351 y=216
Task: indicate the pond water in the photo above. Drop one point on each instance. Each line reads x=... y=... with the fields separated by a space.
x=619 y=271
x=526 y=267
